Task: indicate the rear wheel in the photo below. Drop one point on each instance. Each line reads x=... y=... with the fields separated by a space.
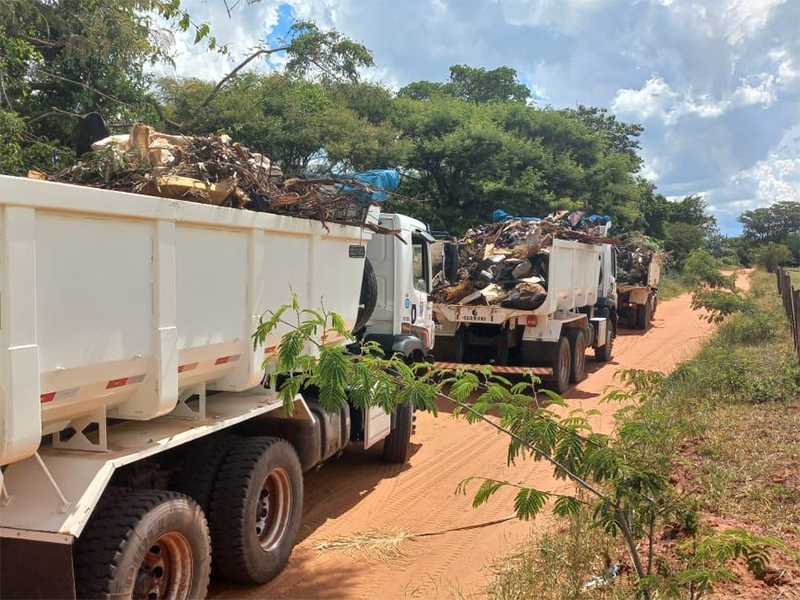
x=144 y=544
x=196 y=475
x=255 y=509
x=577 y=355
x=561 y=366
x=395 y=446
x=644 y=314
x=603 y=353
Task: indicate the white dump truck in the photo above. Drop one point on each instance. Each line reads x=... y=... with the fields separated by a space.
x=638 y=302
x=138 y=443
x=579 y=312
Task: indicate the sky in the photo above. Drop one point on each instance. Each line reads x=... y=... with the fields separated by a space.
x=716 y=83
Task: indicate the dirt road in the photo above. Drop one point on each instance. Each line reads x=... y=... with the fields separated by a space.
x=358 y=492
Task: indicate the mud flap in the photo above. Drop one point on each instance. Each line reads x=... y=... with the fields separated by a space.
x=34 y=569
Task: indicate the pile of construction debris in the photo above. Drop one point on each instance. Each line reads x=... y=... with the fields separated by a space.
x=216 y=170
x=505 y=263
x=636 y=253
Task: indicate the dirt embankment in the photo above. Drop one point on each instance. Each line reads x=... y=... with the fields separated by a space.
x=358 y=492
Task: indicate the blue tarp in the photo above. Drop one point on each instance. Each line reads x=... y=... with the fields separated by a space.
x=380 y=181
x=501 y=215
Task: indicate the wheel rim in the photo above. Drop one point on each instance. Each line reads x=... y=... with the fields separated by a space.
x=273 y=509
x=166 y=571
x=563 y=376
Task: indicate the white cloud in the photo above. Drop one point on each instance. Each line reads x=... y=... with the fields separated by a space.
x=653 y=99
x=761 y=91
x=657 y=99
x=777 y=177
x=788 y=67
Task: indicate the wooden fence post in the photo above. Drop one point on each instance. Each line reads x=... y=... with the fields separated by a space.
x=795 y=328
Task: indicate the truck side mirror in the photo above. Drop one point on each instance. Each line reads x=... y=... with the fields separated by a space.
x=450 y=261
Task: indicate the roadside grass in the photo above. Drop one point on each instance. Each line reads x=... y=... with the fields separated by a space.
x=673 y=285
x=729 y=420
x=557 y=565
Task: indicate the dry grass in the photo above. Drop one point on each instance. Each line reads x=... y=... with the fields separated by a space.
x=557 y=564
x=748 y=466
x=381 y=545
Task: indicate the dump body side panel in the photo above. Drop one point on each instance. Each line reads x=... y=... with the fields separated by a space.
x=114 y=304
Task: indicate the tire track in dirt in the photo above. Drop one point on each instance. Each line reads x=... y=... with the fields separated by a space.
x=358 y=493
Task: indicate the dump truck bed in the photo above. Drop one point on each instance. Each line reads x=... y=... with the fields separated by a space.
x=572 y=282
x=119 y=303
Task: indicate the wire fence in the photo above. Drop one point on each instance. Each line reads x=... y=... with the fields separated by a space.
x=791 y=304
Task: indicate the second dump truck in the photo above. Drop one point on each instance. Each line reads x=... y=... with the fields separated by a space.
x=579 y=312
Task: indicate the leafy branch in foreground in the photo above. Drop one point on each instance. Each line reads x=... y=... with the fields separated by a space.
x=716 y=293
x=623 y=480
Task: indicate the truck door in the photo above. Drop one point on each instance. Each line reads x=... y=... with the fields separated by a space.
x=422 y=324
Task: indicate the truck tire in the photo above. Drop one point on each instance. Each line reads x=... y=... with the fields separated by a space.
x=561 y=366
x=395 y=446
x=198 y=472
x=577 y=355
x=644 y=314
x=255 y=509
x=144 y=544
x=368 y=298
x=603 y=353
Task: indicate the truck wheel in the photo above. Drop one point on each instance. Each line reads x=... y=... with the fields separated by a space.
x=144 y=544
x=368 y=298
x=255 y=509
x=197 y=474
x=644 y=315
x=561 y=366
x=603 y=353
x=395 y=446
x=577 y=355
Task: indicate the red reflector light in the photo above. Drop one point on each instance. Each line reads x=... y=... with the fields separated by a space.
x=222 y=360
x=48 y=397
x=532 y=321
x=115 y=383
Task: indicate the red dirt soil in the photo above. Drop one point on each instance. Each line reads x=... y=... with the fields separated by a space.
x=359 y=493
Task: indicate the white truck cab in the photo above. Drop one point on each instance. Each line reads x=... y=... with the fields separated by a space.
x=402 y=321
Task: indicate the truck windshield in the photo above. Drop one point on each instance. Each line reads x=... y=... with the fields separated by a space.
x=420 y=266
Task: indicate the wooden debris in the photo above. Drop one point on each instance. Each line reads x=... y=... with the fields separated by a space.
x=214 y=170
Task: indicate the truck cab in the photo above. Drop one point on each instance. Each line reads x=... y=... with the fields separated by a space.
x=402 y=320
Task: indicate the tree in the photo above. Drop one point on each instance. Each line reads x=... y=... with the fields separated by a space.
x=473 y=84
x=618 y=136
x=693 y=210
x=479 y=85
x=771 y=255
x=472 y=158
x=681 y=239
x=771 y=224
x=299 y=123
x=62 y=58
